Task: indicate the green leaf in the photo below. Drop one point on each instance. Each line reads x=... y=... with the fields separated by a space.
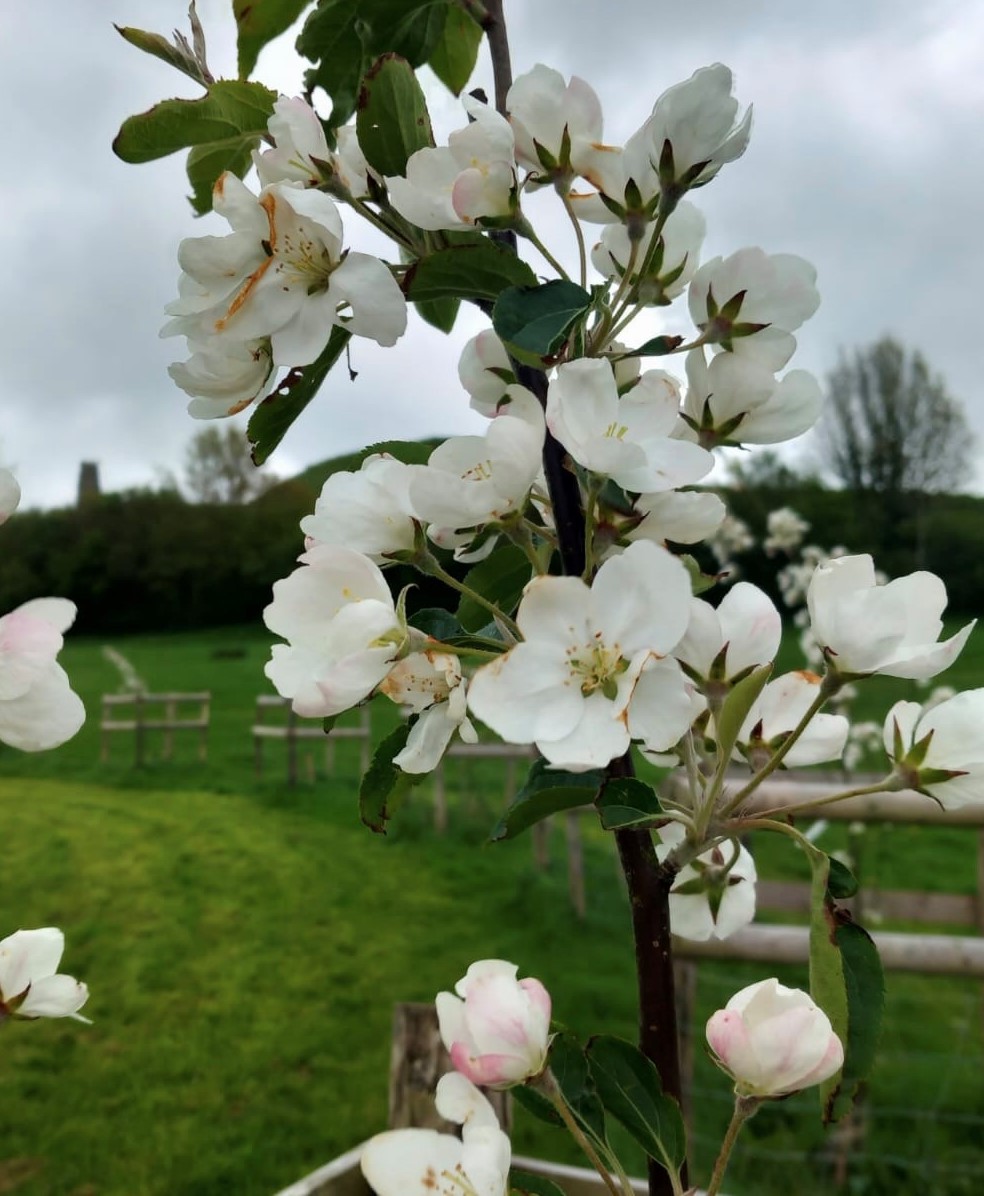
x=536 y=1104
x=570 y=1069
x=438 y=623
x=454 y=56
x=222 y=129
x=174 y=55
x=392 y=121
x=259 y=22
x=736 y=707
x=384 y=782
x=271 y=420
x=826 y=967
x=841 y=882
x=864 y=982
x=528 y=1184
x=659 y=346
x=500 y=578
x=630 y=1089
x=477 y=271
x=342 y=37
x=627 y=801
x=700 y=582
x=439 y=313
x=547 y=791
x=534 y=322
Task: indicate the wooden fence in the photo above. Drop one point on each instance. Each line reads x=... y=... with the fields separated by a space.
x=292 y=729
x=154 y=712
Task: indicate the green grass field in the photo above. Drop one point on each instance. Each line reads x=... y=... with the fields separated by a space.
x=244 y=944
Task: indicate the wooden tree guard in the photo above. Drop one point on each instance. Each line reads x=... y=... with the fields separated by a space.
x=294 y=729
x=144 y=718
x=417 y=1061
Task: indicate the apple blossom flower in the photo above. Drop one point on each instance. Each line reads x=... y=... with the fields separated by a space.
x=30 y=985
x=38 y=708
x=664 y=705
x=223 y=375
x=282 y=274
x=774 y=1040
x=676 y=261
x=938 y=749
x=453 y=187
x=629 y=439
x=568 y=685
x=552 y=120
x=497 y=1029
x=343 y=631
x=785 y=530
x=892 y=629
x=777 y=711
x=299 y=145
x=713 y=896
x=680 y=516
x=752 y=302
x=430 y=685
x=472 y=480
x=693 y=130
x=738 y=400
x=485 y=371
x=367 y=509
x=418 y=1162
x=726 y=643
x=9 y=494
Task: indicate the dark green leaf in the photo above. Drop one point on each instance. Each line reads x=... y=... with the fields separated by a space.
x=841 y=882
x=576 y=1082
x=328 y=723
x=160 y=47
x=477 y=271
x=439 y=313
x=630 y=1089
x=736 y=707
x=332 y=39
x=342 y=37
x=385 y=782
x=532 y=1185
x=392 y=121
x=700 y=582
x=500 y=578
x=827 y=985
x=547 y=791
x=410 y=452
x=439 y=624
x=534 y=322
x=627 y=801
x=865 y=985
x=222 y=128
x=274 y=416
x=454 y=56
x=537 y=1104
x=659 y=346
x=259 y=22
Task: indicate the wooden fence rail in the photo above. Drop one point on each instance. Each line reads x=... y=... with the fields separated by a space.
x=145 y=711
x=293 y=729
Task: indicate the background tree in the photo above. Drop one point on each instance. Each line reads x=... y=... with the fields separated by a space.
x=892 y=433
x=890 y=427
x=218 y=468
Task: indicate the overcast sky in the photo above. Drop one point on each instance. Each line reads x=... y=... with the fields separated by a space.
x=867 y=158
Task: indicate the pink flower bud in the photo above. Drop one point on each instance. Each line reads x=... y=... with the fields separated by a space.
x=497 y=1029
x=773 y=1040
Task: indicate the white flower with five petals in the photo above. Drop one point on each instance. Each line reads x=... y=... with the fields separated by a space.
x=30 y=984
x=567 y=687
x=38 y=708
x=629 y=439
x=430 y=685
